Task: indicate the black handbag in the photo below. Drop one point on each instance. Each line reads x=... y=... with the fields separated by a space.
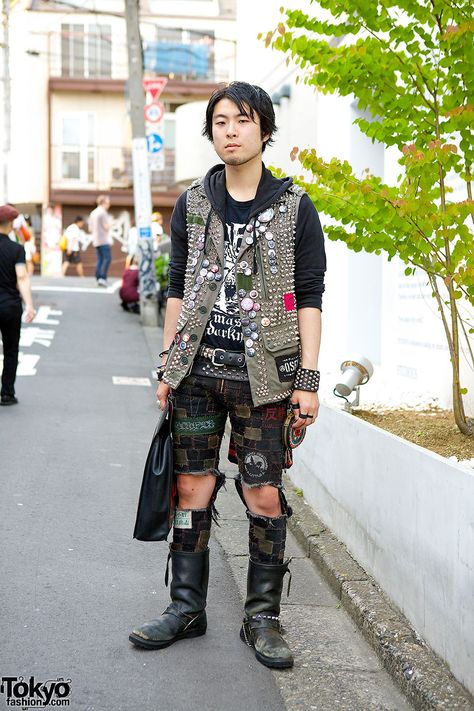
x=158 y=492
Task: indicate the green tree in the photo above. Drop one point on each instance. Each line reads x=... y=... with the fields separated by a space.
x=410 y=65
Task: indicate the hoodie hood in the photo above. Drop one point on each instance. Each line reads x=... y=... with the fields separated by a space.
x=268 y=191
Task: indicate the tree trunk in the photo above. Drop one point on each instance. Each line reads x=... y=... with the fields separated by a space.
x=458 y=405
x=452 y=337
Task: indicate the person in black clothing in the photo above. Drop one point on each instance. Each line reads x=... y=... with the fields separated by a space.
x=14 y=286
x=241 y=337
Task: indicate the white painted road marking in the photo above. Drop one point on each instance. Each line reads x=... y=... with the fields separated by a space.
x=33 y=334
x=26 y=363
x=121 y=380
x=44 y=314
x=81 y=289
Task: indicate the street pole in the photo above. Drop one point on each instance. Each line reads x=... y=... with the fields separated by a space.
x=141 y=172
x=6 y=99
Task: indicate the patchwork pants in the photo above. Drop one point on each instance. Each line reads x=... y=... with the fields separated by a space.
x=201 y=407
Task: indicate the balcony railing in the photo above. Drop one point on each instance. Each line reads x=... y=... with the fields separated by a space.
x=103 y=168
x=77 y=53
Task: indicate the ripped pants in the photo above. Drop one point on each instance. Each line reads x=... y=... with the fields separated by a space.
x=201 y=407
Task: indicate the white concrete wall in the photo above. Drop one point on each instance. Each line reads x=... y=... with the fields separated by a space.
x=28 y=172
x=194 y=153
x=407 y=516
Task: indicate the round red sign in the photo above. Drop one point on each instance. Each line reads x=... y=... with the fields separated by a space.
x=154 y=112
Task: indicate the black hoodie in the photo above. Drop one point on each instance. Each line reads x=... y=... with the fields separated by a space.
x=310 y=257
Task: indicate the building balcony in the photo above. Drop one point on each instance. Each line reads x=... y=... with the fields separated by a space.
x=82 y=52
x=103 y=169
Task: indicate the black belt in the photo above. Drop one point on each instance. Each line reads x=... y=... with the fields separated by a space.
x=220 y=357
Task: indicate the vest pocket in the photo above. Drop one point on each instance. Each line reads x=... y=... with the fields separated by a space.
x=283 y=356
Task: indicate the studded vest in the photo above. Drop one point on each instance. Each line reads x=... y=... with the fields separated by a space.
x=265 y=283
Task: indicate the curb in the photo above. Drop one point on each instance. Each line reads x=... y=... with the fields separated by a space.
x=422 y=676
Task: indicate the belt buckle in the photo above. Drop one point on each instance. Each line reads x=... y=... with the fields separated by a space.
x=216 y=350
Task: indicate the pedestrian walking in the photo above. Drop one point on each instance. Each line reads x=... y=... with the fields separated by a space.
x=74 y=240
x=243 y=324
x=100 y=224
x=14 y=286
x=31 y=252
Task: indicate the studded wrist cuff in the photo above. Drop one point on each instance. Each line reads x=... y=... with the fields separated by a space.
x=307 y=379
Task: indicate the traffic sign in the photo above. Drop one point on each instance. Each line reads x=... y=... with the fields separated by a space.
x=155 y=143
x=156 y=161
x=154 y=112
x=155 y=86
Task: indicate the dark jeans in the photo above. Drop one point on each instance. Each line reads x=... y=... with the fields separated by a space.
x=10 y=325
x=104 y=257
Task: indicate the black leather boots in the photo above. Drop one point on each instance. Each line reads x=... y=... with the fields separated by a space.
x=186 y=615
x=261 y=628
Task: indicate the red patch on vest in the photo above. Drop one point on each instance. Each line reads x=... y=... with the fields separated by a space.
x=289 y=301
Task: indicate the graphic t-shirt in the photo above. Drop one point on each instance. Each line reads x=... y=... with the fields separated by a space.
x=224 y=329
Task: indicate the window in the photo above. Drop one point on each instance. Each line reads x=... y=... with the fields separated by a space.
x=77 y=152
x=86 y=51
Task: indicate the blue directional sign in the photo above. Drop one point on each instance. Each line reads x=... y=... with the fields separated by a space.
x=145 y=232
x=154 y=142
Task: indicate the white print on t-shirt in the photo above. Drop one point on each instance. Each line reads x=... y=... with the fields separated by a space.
x=224 y=319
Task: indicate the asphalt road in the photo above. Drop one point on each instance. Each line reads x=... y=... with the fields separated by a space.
x=72 y=580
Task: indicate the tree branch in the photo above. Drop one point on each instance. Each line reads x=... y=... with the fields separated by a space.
x=468 y=340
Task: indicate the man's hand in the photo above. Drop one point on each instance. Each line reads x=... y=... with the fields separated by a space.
x=304 y=403
x=162 y=393
x=29 y=314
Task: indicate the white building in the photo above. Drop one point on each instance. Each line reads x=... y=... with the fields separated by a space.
x=71 y=134
x=71 y=140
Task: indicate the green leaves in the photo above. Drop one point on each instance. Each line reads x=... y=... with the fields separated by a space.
x=410 y=65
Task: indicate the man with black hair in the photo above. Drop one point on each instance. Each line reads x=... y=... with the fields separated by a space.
x=243 y=325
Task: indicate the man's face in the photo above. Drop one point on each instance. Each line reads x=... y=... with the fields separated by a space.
x=237 y=138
